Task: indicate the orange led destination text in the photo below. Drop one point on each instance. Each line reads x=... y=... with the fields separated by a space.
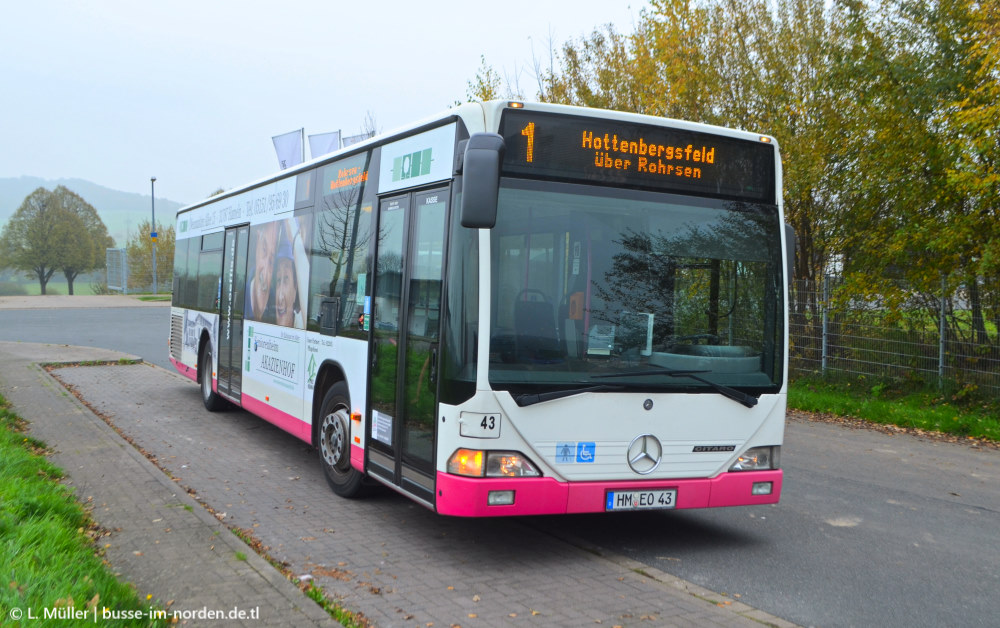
x=349 y=176
x=652 y=158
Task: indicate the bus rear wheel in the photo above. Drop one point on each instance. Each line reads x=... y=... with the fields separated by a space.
x=335 y=443
x=213 y=402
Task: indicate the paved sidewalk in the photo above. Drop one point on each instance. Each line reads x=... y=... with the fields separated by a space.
x=393 y=561
x=162 y=540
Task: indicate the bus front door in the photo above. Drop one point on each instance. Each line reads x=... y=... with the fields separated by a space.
x=405 y=331
x=232 y=294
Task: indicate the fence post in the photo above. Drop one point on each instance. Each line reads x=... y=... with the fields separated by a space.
x=826 y=319
x=942 y=332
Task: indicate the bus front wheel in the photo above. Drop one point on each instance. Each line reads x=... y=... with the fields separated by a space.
x=335 y=443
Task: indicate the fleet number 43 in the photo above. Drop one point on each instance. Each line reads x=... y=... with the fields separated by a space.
x=484 y=425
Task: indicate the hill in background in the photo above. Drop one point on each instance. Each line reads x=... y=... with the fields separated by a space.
x=121 y=211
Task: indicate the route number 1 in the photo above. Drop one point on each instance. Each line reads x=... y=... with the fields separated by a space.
x=529 y=132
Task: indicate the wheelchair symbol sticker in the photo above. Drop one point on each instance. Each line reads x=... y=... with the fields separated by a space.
x=572 y=452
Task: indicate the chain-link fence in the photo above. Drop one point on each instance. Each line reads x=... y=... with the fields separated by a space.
x=132 y=273
x=140 y=281
x=943 y=337
x=116 y=262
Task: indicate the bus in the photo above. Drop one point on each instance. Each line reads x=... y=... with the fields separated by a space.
x=508 y=308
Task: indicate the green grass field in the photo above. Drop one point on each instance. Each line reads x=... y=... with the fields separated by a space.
x=9 y=288
x=962 y=412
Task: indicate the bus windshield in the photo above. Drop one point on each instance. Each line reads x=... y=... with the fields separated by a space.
x=619 y=289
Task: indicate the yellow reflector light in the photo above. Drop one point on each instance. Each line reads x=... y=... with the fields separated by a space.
x=515 y=105
x=468 y=462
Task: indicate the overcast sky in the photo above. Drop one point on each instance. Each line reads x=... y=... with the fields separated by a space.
x=192 y=91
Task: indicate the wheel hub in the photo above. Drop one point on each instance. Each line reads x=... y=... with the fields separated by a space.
x=333 y=440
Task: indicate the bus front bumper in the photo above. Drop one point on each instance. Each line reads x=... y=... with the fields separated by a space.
x=470 y=497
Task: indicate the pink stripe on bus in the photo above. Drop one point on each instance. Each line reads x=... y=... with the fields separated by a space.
x=187 y=371
x=358 y=457
x=293 y=425
x=285 y=421
x=466 y=497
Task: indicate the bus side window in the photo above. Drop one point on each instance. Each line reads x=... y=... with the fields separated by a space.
x=342 y=225
x=180 y=270
x=209 y=271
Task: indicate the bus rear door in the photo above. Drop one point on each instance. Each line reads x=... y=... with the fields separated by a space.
x=232 y=295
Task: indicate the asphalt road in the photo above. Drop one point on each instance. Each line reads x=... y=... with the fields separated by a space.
x=872 y=529
x=142 y=331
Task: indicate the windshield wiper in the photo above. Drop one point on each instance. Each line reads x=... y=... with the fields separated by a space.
x=530 y=399
x=740 y=397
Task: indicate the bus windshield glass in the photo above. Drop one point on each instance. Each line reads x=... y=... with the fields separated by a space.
x=619 y=289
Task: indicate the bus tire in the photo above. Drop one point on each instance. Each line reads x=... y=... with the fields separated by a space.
x=334 y=443
x=213 y=402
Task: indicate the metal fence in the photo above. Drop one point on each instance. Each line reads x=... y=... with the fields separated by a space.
x=140 y=280
x=117 y=266
x=935 y=338
x=136 y=275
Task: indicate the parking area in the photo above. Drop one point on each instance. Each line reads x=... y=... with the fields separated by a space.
x=383 y=556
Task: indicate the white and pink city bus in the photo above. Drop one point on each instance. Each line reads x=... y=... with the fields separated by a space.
x=507 y=309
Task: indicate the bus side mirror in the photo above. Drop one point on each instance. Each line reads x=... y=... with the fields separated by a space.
x=481 y=180
x=790 y=251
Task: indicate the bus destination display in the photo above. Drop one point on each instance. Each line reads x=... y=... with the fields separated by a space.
x=632 y=155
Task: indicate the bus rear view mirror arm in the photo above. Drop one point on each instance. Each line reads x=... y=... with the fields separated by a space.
x=481 y=180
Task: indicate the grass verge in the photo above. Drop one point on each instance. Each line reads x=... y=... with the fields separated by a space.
x=48 y=560
x=959 y=412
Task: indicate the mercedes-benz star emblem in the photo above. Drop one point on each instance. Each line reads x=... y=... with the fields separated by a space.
x=644 y=453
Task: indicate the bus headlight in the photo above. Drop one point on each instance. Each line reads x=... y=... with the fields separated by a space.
x=758 y=459
x=509 y=464
x=492 y=464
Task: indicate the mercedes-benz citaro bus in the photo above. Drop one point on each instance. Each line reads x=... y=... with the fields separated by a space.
x=507 y=309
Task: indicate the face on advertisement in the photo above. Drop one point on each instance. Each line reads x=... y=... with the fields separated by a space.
x=285 y=292
x=267 y=241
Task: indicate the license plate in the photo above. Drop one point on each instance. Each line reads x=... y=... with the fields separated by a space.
x=641 y=500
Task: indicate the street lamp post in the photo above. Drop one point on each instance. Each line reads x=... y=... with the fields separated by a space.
x=152 y=229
